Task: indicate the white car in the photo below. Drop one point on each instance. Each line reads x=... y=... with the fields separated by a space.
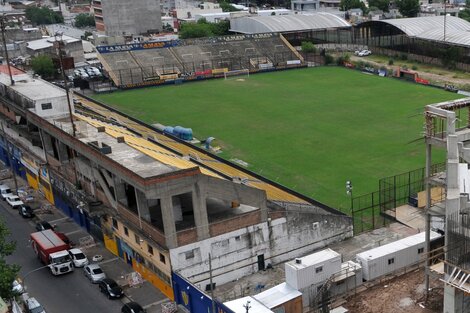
x=94 y=273
x=79 y=258
x=364 y=53
x=14 y=200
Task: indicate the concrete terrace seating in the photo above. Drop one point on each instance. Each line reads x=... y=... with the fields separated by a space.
x=197 y=55
x=124 y=67
x=157 y=61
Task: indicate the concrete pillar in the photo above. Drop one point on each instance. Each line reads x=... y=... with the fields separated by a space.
x=169 y=227
x=62 y=149
x=120 y=192
x=453 y=300
x=142 y=205
x=47 y=143
x=200 y=212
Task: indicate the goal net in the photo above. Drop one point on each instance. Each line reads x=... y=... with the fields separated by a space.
x=245 y=73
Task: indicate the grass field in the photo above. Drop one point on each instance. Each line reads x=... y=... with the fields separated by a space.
x=308 y=129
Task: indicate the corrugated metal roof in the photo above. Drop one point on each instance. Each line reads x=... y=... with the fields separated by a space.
x=396 y=246
x=286 y=23
x=432 y=28
x=277 y=295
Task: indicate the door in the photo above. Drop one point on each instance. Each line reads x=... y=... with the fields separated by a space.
x=261 y=265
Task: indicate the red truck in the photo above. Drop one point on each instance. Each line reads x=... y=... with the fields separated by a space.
x=52 y=251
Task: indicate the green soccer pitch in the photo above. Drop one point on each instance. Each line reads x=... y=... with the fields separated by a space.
x=308 y=129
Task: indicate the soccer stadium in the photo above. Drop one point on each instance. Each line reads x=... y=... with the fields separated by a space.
x=309 y=129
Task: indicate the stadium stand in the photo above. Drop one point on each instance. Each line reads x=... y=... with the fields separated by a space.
x=197 y=58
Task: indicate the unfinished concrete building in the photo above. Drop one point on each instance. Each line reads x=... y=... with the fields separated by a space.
x=160 y=203
x=448 y=127
x=121 y=17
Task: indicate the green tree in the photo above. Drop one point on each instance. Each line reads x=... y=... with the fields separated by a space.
x=308 y=47
x=43 y=65
x=346 y=5
x=84 y=20
x=380 y=4
x=408 y=8
x=43 y=15
x=204 y=29
x=465 y=13
x=8 y=272
x=227 y=7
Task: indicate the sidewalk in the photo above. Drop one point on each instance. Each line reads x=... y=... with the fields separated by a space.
x=145 y=294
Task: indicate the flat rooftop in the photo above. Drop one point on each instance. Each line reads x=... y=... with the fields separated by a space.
x=32 y=88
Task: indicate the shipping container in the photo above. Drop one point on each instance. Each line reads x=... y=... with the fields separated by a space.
x=393 y=256
x=281 y=298
x=312 y=269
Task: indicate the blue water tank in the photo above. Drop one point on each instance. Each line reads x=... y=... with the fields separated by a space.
x=168 y=130
x=186 y=134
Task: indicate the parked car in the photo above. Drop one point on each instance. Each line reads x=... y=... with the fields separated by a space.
x=5 y=191
x=17 y=287
x=94 y=273
x=132 y=307
x=364 y=53
x=110 y=288
x=79 y=258
x=14 y=201
x=43 y=225
x=25 y=211
x=33 y=306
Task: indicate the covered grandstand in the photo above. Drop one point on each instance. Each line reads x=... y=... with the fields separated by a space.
x=427 y=36
x=287 y=23
x=137 y=65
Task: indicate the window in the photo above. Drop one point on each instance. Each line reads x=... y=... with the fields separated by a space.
x=319 y=269
x=391 y=261
x=126 y=231
x=420 y=250
x=190 y=254
x=237 y=238
x=150 y=249
x=137 y=239
x=46 y=106
x=162 y=258
x=115 y=224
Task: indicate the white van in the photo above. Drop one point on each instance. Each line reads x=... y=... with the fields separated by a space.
x=5 y=192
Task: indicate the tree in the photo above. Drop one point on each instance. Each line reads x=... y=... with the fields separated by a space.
x=380 y=4
x=204 y=29
x=465 y=13
x=308 y=47
x=227 y=7
x=43 y=65
x=43 y=15
x=84 y=20
x=346 y=5
x=408 y=8
x=8 y=272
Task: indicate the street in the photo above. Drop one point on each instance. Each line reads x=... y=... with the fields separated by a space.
x=68 y=293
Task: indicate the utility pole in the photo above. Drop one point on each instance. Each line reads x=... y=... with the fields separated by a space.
x=59 y=44
x=2 y=26
x=445 y=18
x=7 y=146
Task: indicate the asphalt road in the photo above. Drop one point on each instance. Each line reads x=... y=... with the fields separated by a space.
x=69 y=293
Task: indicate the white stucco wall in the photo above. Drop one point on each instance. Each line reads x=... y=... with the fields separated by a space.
x=235 y=254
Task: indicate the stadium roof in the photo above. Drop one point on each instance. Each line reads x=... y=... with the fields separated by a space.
x=432 y=28
x=286 y=23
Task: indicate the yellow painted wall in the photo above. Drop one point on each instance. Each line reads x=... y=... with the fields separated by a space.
x=110 y=244
x=149 y=276
x=33 y=181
